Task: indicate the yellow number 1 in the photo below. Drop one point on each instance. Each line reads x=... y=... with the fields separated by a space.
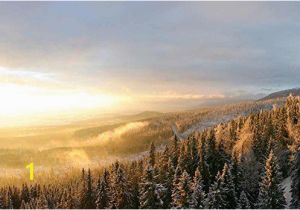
x=30 y=166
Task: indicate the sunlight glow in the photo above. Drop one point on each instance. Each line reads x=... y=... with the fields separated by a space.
x=23 y=100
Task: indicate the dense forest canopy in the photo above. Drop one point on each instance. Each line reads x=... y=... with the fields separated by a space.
x=238 y=164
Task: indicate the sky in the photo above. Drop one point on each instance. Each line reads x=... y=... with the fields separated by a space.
x=82 y=58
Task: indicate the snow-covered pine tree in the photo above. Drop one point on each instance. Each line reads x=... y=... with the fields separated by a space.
x=279 y=121
x=34 y=191
x=82 y=190
x=271 y=194
x=222 y=192
x=293 y=118
x=168 y=185
x=222 y=156
x=52 y=198
x=62 y=201
x=194 y=155
x=134 y=177
x=175 y=190
x=175 y=151
x=152 y=155
x=102 y=194
x=69 y=200
x=163 y=165
x=198 y=194
x=9 y=201
x=227 y=189
x=150 y=195
x=121 y=195
x=233 y=130
x=165 y=176
x=1 y=202
x=83 y=174
x=30 y=204
x=265 y=135
x=295 y=203
x=282 y=152
x=251 y=178
x=107 y=180
x=212 y=155
x=203 y=167
x=214 y=198
x=23 y=205
x=184 y=189
x=181 y=194
x=183 y=159
x=244 y=202
x=89 y=193
x=87 y=196
x=25 y=193
x=41 y=202
x=14 y=194
x=237 y=174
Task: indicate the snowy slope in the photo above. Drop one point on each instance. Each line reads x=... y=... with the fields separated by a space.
x=202 y=125
x=281 y=94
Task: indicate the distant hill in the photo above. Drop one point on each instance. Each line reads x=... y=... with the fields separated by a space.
x=142 y=116
x=282 y=94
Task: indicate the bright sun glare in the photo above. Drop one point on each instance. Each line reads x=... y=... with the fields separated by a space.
x=28 y=97
x=19 y=100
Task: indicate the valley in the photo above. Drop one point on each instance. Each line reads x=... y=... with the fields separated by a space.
x=124 y=137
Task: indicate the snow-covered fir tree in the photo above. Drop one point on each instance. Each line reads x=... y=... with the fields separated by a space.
x=203 y=166
x=271 y=194
x=87 y=194
x=121 y=196
x=194 y=155
x=150 y=194
x=295 y=203
x=237 y=174
x=227 y=189
x=42 y=203
x=243 y=201
x=175 y=190
x=198 y=194
x=152 y=155
x=175 y=150
x=102 y=194
x=166 y=174
x=214 y=198
x=184 y=192
x=183 y=159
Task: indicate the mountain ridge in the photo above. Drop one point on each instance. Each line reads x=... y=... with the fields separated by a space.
x=281 y=94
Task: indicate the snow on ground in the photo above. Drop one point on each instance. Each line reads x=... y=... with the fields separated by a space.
x=176 y=132
x=286 y=184
x=210 y=122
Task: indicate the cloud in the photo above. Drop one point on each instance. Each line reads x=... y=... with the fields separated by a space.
x=28 y=78
x=196 y=49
